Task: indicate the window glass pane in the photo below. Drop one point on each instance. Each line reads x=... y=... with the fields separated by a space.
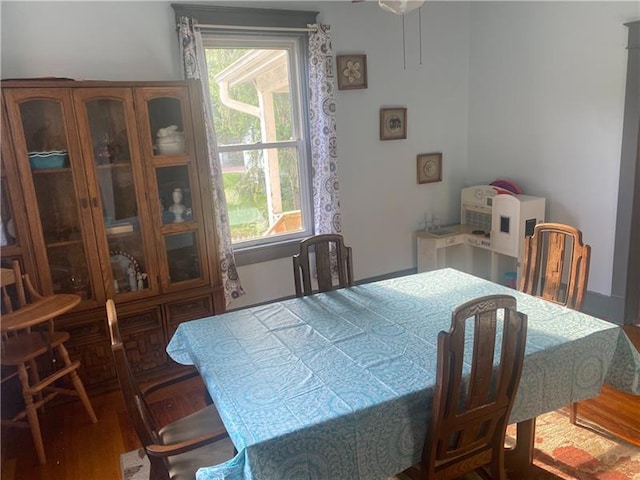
x=250 y=95
x=257 y=207
x=255 y=84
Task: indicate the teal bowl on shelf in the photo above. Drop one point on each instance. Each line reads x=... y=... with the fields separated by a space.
x=47 y=160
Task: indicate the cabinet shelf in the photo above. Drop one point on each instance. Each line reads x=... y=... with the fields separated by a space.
x=115 y=165
x=49 y=171
x=65 y=243
x=132 y=233
x=169 y=228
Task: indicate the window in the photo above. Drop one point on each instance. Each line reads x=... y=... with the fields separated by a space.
x=257 y=85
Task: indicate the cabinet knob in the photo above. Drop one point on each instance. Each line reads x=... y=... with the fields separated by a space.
x=84 y=203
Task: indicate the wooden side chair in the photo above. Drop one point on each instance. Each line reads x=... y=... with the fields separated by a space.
x=24 y=349
x=178 y=449
x=332 y=257
x=471 y=408
x=556 y=265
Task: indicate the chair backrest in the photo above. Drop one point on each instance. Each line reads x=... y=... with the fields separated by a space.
x=332 y=258
x=17 y=292
x=134 y=400
x=16 y=288
x=555 y=265
x=471 y=408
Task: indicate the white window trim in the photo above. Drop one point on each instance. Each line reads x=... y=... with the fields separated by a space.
x=285 y=245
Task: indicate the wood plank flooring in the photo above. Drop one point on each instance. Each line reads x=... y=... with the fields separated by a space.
x=616 y=411
x=79 y=450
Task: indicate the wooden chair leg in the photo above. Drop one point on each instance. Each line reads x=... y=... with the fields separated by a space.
x=573 y=413
x=77 y=383
x=518 y=460
x=32 y=413
x=35 y=376
x=157 y=471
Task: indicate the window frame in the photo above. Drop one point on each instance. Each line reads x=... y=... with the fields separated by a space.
x=296 y=45
x=259 y=17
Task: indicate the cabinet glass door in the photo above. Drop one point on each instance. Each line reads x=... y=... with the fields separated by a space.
x=55 y=176
x=166 y=135
x=120 y=184
x=178 y=223
x=13 y=220
x=8 y=233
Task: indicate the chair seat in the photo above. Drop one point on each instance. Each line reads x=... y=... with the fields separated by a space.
x=177 y=450
x=199 y=423
x=25 y=347
x=202 y=422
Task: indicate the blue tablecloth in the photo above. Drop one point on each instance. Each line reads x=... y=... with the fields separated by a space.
x=338 y=386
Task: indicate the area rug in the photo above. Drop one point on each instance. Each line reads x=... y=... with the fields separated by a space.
x=134 y=465
x=562 y=451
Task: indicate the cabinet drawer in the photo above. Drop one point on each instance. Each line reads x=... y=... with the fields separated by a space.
x=199 y=307
x=96 y=361
x=89 y=342
x=143 y=339
x=84 y=332
x=179 y=312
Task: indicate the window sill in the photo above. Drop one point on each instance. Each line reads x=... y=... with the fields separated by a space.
x=265 y=253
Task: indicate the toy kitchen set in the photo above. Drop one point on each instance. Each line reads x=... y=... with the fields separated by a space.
x=489 y=242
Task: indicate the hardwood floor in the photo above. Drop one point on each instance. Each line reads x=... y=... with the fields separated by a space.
x=79 y=450
x=616 y=411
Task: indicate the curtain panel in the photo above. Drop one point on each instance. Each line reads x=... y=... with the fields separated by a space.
x=194 y=65
x=322 y=107
x=324 y=161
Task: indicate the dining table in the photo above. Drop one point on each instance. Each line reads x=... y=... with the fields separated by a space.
x=339 y=385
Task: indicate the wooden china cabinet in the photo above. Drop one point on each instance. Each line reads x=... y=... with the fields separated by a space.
x=106 y=193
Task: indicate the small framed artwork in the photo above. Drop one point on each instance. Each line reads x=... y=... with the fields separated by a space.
x=393 y=123
x=429 y=167
x=352 y=72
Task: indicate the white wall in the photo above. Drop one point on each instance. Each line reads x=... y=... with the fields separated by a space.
x=547 y=83
x=89 y=40
x=381 y=202
x=483 y=65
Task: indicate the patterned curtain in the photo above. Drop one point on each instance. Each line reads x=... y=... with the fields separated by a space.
x=322 y=107
x=194 y=63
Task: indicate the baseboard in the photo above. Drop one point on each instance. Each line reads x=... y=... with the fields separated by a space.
x=601 y=306
x=386 y=276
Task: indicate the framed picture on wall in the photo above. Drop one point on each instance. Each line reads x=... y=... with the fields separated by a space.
x=352 y=71
x=429 y=167
x=393 y=123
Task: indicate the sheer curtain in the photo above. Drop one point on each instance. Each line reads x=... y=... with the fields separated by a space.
x=194 y=64
x=322 y=107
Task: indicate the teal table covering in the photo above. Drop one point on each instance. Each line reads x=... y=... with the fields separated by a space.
x=338 y=386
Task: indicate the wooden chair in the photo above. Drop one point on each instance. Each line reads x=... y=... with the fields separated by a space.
x=21 y=350
x=331 y=256
x=471 y=408
x=555 y=265
x=178 y=449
